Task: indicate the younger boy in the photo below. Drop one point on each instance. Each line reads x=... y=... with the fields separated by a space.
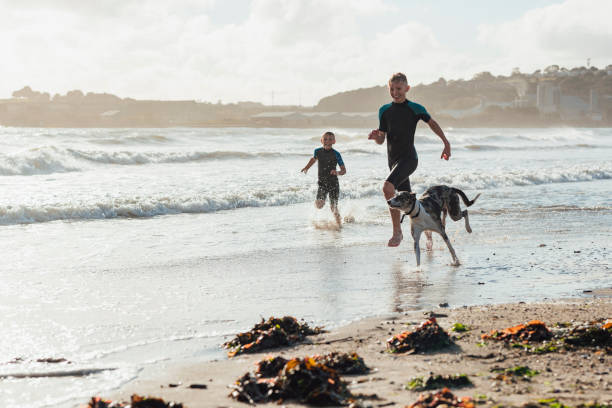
x=328 y=175
x=398 y=121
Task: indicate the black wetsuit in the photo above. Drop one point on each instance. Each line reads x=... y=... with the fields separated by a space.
x=399 y=121
x=328 y=183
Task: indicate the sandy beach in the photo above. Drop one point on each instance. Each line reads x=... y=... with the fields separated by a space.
x=572 y=377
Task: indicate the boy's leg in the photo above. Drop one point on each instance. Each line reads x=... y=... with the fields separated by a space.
x=334 y=194
x=396 y=238
x=321 y=194
x=398 y=179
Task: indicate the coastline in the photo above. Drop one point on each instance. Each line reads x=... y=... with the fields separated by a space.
x=572 y=377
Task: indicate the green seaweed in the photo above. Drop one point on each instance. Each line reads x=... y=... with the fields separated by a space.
x=433 y=382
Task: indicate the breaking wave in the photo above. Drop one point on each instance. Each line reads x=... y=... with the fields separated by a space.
x=143 y=207
x=55 y=160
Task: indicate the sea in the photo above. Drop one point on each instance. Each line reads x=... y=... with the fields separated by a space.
x=125 y=249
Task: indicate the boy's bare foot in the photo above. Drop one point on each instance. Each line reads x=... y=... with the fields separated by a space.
x=395 y=240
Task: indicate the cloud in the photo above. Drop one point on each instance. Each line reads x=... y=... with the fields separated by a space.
x=564 y=34
x=280 y=51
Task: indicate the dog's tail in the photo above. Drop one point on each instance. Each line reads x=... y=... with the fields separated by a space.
x=464 y=197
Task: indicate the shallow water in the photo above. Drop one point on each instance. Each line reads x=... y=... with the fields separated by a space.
x=126 y=248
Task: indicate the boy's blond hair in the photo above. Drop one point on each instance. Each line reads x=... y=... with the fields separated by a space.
x=328 y=133
x=398 y=77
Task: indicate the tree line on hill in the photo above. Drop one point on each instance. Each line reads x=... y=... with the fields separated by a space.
x=484 y=100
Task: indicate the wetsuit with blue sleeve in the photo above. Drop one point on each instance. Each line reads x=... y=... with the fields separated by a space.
x=328 y=183
x=399 y=121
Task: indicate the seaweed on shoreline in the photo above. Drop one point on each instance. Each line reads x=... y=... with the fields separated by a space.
x=443 y=397
x=136 y=401
x=433 y=382
x=301 y=379
x=344 y=363
x=427 y=336
x=533 y=331
x=594 y=335
x=271 y=333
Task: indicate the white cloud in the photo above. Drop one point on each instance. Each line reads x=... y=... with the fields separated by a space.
x=298 y=50
x=565 y=34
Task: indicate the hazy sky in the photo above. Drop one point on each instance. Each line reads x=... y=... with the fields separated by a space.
x=285 y=51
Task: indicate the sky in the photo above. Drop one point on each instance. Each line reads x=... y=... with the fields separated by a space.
x=286 y=51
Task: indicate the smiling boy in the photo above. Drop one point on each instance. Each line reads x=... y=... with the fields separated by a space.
x=397 y=124
x=329 y=159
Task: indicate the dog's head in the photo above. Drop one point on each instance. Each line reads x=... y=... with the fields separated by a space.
x=403 y=201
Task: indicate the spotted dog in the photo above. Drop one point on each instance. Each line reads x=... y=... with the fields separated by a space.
x=426 y=211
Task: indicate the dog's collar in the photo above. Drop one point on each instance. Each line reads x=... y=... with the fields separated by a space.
x=409 y=212
x=417 y=214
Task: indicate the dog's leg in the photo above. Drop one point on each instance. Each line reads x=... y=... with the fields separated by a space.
x=429 y=240
x=464 y=213
x=443 y=220
x=450 y=248
x=416 y=235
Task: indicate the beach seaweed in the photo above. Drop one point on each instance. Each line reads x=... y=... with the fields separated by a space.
x=303 y=379
x=271 y=333
x=433 y=382
x=509 y=375
x=270 y=367
x=460 y=328
x=595 y=335
x=136 y=401
x=533 y=331
x=344 y=363
x=443 y=397
x=428 y=336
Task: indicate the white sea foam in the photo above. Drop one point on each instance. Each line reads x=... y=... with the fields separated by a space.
x=142 y=207
x=50 y=160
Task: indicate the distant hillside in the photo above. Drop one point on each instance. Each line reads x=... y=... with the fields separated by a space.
x=482 y=88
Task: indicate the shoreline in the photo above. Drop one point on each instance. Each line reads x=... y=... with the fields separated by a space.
x=572 y=378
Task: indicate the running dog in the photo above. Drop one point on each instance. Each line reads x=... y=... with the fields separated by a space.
x=425 y=213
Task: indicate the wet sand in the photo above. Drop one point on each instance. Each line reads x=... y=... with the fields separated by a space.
x=571 y=377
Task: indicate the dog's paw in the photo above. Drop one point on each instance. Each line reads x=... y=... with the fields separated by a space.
x=455 y=263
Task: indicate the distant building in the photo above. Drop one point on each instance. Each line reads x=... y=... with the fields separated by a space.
x=548 y=97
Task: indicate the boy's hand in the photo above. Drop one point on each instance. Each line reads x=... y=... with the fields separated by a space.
x=333 y=173
x=375 y=134
x=446 y=153
x=304 y=170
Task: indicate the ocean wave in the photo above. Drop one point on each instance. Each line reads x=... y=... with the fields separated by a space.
x=49 y=160
x=485 y=147
x=144 y=207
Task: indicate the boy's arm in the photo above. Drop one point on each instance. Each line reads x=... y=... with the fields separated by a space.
x=377 y=135
x=310 y=163
x=433 y=125
x=342 y=171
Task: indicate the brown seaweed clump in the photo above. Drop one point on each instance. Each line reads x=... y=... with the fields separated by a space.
x=136 y=401
x=428 y=336
x=592 y=335
x=344 y=363
x=270 y=333
x=301 y=379
x=433 y=382
x=270 y=367
x=443 y=397
x=533 y=331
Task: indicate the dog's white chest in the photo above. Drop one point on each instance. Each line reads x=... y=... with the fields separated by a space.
x=423 y=221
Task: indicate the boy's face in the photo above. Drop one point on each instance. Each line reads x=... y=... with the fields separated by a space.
x=328 y=141
x=397 y=90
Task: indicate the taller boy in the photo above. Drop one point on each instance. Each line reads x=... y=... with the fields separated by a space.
x=398 y=122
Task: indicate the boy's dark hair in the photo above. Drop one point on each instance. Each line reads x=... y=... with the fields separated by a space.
x=398 y=77
x=329 y=133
